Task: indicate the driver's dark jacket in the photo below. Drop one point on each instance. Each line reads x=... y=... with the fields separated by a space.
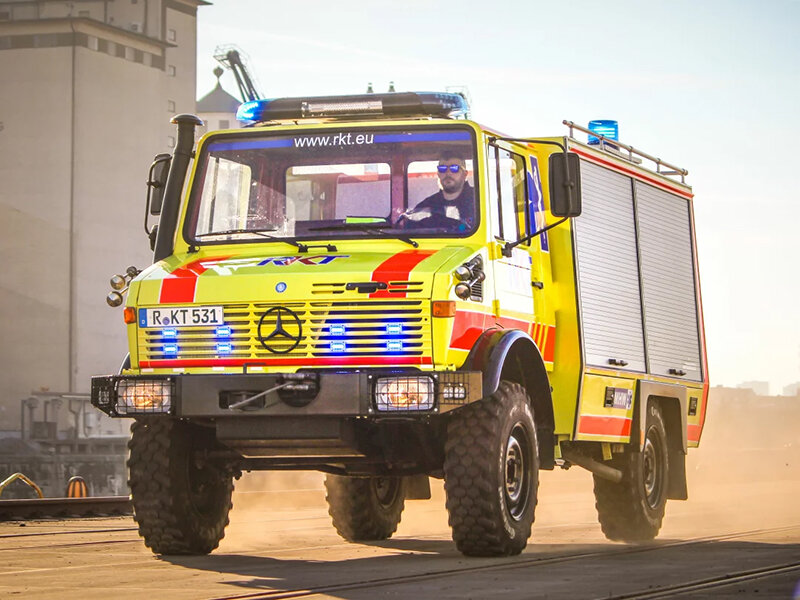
x=464 y=202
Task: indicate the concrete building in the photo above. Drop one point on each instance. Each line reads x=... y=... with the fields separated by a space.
x=759 y=387
x=88 y=88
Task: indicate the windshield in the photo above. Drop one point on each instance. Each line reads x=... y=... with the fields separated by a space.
x=372 y=183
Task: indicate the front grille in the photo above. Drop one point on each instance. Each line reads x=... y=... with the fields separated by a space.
x=354 y=328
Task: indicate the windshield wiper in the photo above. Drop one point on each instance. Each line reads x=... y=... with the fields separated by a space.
x=259 y=232
x=373 y=228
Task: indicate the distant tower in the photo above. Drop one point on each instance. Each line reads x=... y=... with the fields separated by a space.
x=369 y=88
x=218 y=107
x=391 y=86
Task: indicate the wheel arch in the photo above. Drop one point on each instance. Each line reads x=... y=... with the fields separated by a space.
x=513 y=355
x=673 y=402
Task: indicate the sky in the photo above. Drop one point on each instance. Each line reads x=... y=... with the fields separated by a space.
x=711 y=86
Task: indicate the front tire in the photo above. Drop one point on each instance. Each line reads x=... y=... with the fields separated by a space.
x=365 y=508
x=633 y=510
x=181 y=506
x=491 y=473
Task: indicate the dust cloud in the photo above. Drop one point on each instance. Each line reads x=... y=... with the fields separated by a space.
x=744 y=476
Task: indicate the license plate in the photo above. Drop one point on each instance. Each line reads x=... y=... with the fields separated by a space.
x=181 y=316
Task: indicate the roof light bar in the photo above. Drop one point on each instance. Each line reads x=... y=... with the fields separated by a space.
x=399 y=104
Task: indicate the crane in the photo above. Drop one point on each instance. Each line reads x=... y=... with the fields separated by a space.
x=232 y=58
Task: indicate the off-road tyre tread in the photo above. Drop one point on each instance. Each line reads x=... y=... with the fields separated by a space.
x=167 y=524
x=621 y=507
x=355 y=511
x=472 y=501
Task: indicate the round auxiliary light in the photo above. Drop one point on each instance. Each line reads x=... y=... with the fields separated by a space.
x=463 y=291
x=118 y=282
x=463 y=273
x=114 y=299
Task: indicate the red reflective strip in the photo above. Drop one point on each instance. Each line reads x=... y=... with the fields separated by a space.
x=398 y=268
x=240 y=362
x=693 y=432
x=180 y=285
x=614 y=426
x=632 y=173
x=549 y=350
x=467 y=328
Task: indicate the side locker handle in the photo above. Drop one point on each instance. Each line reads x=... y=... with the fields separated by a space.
x=618 y=362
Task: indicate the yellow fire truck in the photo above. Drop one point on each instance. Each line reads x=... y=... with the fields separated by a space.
x=380 y=289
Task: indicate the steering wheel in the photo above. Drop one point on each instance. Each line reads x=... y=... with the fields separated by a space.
x=434 y=221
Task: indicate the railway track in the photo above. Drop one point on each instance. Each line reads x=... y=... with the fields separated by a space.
x=63 y=508
x=652 y=591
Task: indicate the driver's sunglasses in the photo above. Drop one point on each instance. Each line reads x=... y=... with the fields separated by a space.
x=443 y=168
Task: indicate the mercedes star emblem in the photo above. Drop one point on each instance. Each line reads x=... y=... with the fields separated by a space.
x=280 y=333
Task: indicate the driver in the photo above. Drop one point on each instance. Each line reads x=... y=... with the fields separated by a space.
x=456 y=198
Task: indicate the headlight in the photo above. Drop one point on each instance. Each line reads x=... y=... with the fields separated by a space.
x=404 y=393
x=144 y=396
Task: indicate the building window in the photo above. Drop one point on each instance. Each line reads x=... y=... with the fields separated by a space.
x=129 y=53
x=171 y=105
x=224 y=123
x=172 y=35
x=171 y=70
x=83 y=13
x=91 y=42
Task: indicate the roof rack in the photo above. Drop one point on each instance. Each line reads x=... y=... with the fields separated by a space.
x=612 y=147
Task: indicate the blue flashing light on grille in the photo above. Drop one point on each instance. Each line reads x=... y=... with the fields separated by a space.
x=338 y=346
x=223 y=332
x=169 y=333
x=394 y=345
x=604 y=127
x=337 y=329
x=394 y=328
x=170 y=349
x=224 y=348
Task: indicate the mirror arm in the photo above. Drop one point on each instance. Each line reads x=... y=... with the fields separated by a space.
x=511 y=245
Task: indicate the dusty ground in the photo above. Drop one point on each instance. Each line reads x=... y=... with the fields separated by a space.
x=744 y=489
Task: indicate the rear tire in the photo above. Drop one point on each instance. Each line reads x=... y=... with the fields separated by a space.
x=181 y=507
x=365 y=508
x=633 y=510
x=491 y=473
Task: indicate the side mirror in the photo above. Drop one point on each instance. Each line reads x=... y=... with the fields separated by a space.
x=157 y=182
x=565 y=184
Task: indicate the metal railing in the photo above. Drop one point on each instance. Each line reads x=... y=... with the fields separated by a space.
x=609 y=144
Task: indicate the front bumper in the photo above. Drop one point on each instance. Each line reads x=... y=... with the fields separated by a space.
x=312 y=393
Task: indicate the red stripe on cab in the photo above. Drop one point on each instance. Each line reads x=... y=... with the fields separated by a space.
x=397 y=268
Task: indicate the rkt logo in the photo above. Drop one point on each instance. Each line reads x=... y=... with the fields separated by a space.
x=230 y=266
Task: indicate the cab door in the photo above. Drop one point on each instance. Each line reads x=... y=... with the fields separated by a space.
x=513 y=304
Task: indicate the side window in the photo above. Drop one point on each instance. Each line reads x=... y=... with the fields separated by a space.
x=507 y=193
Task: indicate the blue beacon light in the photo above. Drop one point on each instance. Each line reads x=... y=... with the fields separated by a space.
x=170 y=349
x=338 y=346
x=223 y=332
x=605 y=127
x=169 y=333
x=224 y=348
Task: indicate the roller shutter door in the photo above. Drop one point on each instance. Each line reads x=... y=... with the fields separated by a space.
x=608 y=270
x=668 y=284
